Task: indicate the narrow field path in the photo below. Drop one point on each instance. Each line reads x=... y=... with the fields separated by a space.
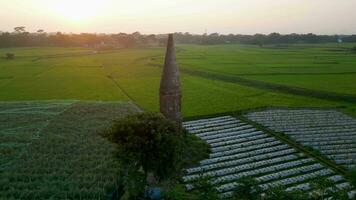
x=324 y=95
x=116 y=83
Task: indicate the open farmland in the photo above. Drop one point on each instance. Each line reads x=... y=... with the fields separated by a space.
x=331 y=133
x=52 y=150
x=240 y=150
x=215 y=79
x=59 y=89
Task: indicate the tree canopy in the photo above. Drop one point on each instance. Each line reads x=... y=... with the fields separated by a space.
x=22 y=38
x=148 y=141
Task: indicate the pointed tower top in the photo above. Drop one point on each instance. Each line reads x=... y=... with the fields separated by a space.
x=170 y=77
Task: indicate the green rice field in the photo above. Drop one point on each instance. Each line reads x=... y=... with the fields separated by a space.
x=215 y=78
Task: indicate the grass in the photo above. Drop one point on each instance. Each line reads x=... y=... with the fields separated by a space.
x=311 y=67
x=134 y=75
x=34 y=52
x=338 y=83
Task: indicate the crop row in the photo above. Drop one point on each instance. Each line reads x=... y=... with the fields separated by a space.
x=70 y=160
x=240 y=150
x=330 y=132
x=21 y=123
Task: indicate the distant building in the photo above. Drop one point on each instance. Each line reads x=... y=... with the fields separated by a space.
x=170 y=90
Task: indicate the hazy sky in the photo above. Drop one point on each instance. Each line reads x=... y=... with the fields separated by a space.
x=195 y=16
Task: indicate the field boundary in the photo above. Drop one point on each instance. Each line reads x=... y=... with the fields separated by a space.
x=295 y=74
x=245 y=111
x=67 y=55
x=331 y=96
x=116 y=83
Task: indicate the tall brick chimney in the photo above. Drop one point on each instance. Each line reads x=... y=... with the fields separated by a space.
x=170 y=90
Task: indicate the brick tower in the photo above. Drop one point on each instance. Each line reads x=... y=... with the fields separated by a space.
x=170 y=91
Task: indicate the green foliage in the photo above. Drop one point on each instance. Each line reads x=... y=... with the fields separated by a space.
x=205 y=189
x=148 y=141
x=194 y=150
x=178 y=192
x=280 y=193
x=247 y=188
x=9 y=56
x=21 y=38
x=134 y=183
x=148 y=144
x=322 y=188
x=339 y=195
x=352 y=177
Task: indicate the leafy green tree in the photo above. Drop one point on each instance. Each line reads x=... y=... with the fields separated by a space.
x=247 y=189
x=149 y=148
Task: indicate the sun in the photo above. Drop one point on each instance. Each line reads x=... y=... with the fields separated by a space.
x=78 y=10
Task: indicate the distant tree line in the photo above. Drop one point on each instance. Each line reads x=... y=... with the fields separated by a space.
x=22 y=38
x=261 y=39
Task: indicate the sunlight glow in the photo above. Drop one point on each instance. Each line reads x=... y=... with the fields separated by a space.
x=78 y=10
x=162 y=16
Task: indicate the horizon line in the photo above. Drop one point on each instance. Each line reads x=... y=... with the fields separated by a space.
x=181 y=32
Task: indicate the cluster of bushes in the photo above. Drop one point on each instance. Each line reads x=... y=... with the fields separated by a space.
x=9 y=56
